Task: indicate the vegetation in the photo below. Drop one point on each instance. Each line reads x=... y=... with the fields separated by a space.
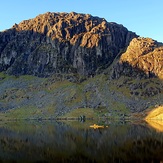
x=29 y=97
x=76 y=113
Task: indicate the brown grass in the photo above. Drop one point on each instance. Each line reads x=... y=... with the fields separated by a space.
x=155 y=118
x=156 y=124
x=156 y=114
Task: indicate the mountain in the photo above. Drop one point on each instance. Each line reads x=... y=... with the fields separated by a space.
x=61 y=43
x=143 y=54
x=70 y=64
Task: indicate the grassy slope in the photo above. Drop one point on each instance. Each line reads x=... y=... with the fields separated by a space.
x=37 y=98
x=72 y=95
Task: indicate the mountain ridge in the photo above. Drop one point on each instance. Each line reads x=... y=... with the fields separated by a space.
x=83 y=62
x=81 y=42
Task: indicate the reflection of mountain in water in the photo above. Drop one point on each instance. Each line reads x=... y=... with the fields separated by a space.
x=58 y=142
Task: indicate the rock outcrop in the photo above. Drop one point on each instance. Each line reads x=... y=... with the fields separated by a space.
x=68 y=48
x=143 y=58
x=61 y=43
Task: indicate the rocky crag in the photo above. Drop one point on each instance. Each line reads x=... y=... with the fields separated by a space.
x=142 y=55
x=78 y=64
x=61 y=43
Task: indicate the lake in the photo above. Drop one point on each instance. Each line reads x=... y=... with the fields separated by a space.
x=74 y=141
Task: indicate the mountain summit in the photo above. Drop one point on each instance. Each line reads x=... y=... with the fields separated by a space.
x=78 y=64
x=61 y=43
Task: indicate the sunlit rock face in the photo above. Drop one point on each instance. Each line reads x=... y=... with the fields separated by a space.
x=143 y=58
x=61 y=43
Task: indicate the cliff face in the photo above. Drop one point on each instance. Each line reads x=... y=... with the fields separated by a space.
x=138 y=72
x=143 y=58
x=61 y=43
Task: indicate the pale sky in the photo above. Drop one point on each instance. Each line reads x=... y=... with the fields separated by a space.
x=141 y=16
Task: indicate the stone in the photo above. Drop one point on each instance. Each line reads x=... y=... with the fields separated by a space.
x=143 y=58
x=55 y=43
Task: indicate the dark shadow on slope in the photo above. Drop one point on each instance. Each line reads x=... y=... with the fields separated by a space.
x=125 y=69
x=137 y=85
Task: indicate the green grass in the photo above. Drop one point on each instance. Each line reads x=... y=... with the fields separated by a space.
x=28 y=113
x=120 y=106
x=72 y=94
x=58 y=85
x=28 y=77
x=5 y=77
x=88 y=112
x=124 y=85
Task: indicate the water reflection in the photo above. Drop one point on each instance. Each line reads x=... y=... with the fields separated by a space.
x=60 y=142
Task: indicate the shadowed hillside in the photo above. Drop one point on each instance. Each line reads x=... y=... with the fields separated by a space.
x=65 y=64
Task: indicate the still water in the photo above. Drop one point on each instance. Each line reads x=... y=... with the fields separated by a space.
x=49 y=141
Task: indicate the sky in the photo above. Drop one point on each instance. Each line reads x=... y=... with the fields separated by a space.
x=144 y=17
